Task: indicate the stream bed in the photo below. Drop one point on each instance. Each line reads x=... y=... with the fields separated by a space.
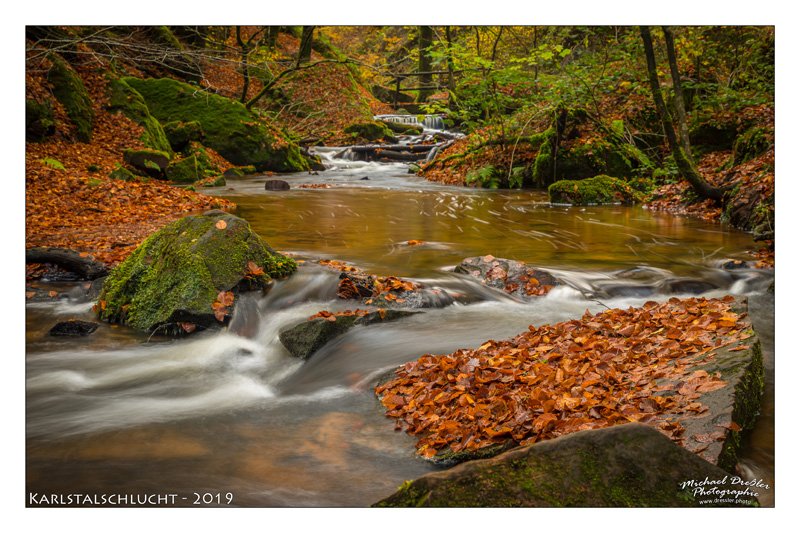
x=231 y=413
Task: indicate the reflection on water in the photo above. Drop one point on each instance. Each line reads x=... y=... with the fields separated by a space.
x=232 y=411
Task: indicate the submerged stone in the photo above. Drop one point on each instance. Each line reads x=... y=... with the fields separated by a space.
x=73 y=328
x=276 y=185
x=176 y=275
x=630 y=465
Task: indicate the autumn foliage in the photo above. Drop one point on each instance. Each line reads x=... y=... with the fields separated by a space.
x=600 y=370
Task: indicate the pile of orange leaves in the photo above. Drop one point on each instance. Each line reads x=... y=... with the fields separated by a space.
x=387 y=286
x=610 y=368
x=331 y=317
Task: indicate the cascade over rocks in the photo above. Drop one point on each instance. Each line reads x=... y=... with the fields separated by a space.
x=188 y=274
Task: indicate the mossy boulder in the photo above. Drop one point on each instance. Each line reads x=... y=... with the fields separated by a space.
x=592 y=191
x=151 y=163
x=39 y=120
x=184 y=171
x=239 y=172
x=123 y=174
x=180 y=134
x=68 y=89
x=369 y=132
x=630 y=465
x=126 y=99
x=177 y=274
x=238 y=135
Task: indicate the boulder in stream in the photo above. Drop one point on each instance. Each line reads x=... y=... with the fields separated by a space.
x=73 y=328
x=276 y=185
x=513 y=277
x=593 y=191
x=188 y=273
x=630 y=465
x=308 y=337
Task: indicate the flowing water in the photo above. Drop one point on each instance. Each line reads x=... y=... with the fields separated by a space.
x=230 y=412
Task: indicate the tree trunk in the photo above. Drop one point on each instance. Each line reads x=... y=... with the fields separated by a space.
x=680 y=108
x=245 y=51
x=86 y=267
x=685 y=166
x=425 y=64
x=306 y=42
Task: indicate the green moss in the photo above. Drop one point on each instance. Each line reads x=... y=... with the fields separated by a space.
x=70 y=91
x=53 y=163
x=93 y=182
x=237 y=134
x=147 y=162
x=590 y=191
x=746 y=407
x=369 y=131
x=180 y=134
x=123 y=174
x=92 y=168
x=751 y=144
x=176 y=274
x=184 y=171
x=126 y=99
x=39 y=120
x=488 y=177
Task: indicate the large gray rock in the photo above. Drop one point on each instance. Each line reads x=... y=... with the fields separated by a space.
x=630 y=465
x=308 y=337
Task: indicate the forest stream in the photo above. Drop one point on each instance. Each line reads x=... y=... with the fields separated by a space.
x=230 y=412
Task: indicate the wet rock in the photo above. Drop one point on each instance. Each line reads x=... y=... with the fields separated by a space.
x=623 y=290
x=630 y=465
x=716 y=434
x=83 y=266
x=306 y=338
x=173 y=280
x=73 y=328
x=685 y=286
x=734 y=264
x=276 y=185
x=513 y=277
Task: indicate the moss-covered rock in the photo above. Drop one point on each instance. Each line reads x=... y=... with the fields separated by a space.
x=751 y=144
x=126 y=99
x=123 y=174
x=184 y=171
x=180 y=134
x=176 y=275
x=151 y=163
x=68 y=89
x=630 y=465
x=592 y=191
x=39 y=120
x=237 y=134
x=370 y=131
x=239 y=172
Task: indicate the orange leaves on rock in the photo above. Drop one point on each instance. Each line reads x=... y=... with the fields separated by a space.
x=331 y=317
x=253 y=270
x=600 y=370
x=222 y=304
x=221 y=224
x=347 y=290
x=414 y=242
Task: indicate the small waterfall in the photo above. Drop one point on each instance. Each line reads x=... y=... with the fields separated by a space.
x=429 y=122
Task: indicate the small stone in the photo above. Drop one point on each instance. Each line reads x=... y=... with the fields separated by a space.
x=73 y=328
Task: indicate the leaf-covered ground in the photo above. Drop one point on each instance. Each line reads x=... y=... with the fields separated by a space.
x=609 y=368
x=80 y=207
